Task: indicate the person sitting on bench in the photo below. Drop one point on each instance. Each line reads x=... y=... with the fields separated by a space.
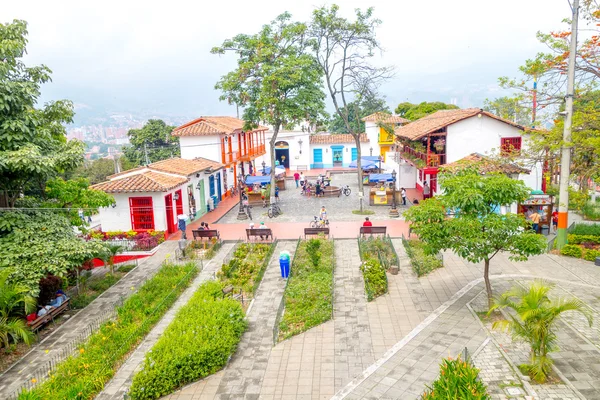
x=262 y=226
x=59 y=299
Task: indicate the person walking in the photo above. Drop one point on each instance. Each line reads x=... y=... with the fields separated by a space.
x=302 y=180
x=426 y=191
x=297 y=179
x=554 y=220
x=403 y=193
x=535 y=221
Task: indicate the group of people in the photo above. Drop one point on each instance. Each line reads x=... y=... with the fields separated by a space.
x=204 y=226
x=535 y=216
x=319 y=186
x=59 y=298
x=261 y=226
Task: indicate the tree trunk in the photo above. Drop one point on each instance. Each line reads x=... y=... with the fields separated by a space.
x=486 y=278
x=359 y=169
x=272 y=142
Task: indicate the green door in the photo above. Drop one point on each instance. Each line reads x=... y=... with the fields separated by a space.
x=202 y=206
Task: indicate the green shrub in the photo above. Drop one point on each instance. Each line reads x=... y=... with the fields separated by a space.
x=586 y=229
x=590 y=255
x=247 y=267
x=422 y=263
x=377 y=246
x=312 y=249
x=578 y=239
x=375 y=278
x=199 y=341
x=84 y=375
x=457 y=380
x=591 y=212
x=571 y=250
x=308 y=295
x=126 y=268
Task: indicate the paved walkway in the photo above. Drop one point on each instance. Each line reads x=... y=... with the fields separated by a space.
x=246 y=371
x=62 y=342
x=122 y=380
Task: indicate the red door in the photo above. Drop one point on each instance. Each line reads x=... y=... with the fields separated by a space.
x=171 y=226
x=179 y=202
x=142 y=213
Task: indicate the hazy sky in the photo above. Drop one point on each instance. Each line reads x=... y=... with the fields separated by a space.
x=154 y=56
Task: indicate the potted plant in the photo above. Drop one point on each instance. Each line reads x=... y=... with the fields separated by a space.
x=439 y=144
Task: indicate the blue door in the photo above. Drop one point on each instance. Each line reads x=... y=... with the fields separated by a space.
x=354 y=154
x=218 y=188
x=211 y=185
x=318 y=158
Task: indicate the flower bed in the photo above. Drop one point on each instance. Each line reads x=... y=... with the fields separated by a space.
x=422 y=263
x=130 y=240
x=202 y=249
x=458 y=380
x=377 y=255
x=247 y=267
x=199 y=341
x=95 y=287
x=84 y=375
x=308 y=296
x=584 y=242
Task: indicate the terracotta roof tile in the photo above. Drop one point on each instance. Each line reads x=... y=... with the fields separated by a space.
x=126 y=172
x=336 y=138
x=183 y=166
x=206 y=126
x=485 y=165
x=385 y=118
x=144 y=182
x=442 y=118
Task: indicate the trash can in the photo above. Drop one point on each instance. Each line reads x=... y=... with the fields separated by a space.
x=181 y=224
x=284 y=264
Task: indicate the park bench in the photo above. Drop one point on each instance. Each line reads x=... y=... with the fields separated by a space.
x=315 y=232
x=228 y=291
x=373 y=230
x=209 y=234
x=36 y=324
x=265 y=233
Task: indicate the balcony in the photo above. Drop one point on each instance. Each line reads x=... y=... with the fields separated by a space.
x=238 y=156
x=422 y=160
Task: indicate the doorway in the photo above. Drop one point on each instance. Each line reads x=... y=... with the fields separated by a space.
x=282 y=153
x=171 y=226
x=202 y=205
x=219 y=194
x=338 y=155
x=179 y=202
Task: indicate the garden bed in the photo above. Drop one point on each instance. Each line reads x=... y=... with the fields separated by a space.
x=584 y=242
x=377 y=255
x=96 y=286
x=245 y=269
x=421 y=262
x=202 y=249
x=84 y=375
x=130 y=241
x=308 y=297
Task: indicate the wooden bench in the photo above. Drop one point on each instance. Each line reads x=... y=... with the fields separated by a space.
x=36 y=324
x=228 y=291
x=209 y=234
x=315 y=232
x=263 y=233
x=373 y=230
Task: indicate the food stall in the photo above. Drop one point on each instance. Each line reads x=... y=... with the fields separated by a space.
x=540 y=203
x=380 y=193
x=279 y=176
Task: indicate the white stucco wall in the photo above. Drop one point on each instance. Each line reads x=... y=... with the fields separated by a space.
x=346 y=153
x=208 y=147
x=372 y=131
x=292 y=138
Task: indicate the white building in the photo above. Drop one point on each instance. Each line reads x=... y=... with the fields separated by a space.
x=329 y=150
x=447 y=136
x=381 y=140
x=151 y=197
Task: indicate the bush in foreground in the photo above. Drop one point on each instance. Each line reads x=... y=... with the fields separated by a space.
x=422 y=263
x=199 y=341
x=375 y=278
x=457 y=380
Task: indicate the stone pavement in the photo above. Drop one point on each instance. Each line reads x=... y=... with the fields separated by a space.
x=61 y=342
x=121 y=381
x=245 y=373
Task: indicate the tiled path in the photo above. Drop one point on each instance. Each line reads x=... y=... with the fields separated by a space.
x=122 y=380
x=246 y=371
x=62 y=339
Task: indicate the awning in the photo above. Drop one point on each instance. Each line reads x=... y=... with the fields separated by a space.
x=380 y=178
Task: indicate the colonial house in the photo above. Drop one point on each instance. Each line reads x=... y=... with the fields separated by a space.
x=381 y=139
x=223 y=140
x=447 y=136
x=336 y=150
x=151 y=197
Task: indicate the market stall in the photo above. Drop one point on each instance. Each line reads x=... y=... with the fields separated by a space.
x=542 y=204
x=380 y=193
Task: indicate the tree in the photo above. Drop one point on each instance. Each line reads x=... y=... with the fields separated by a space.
x=534 y=322
x=154 y=139
x=109 y=256
x=356 y=111
x=515 y=109
x=96 y=171
x=343 y=49
x=476 y=233
x=277 y=80
x=14 y=299
x=415 y=111
x=33 y=144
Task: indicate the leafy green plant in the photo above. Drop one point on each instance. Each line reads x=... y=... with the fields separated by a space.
x=199 y=341
x=308 y=295
x=458 y=380
x=375 y=278
x=84 y=375
x=590 y=255
x=534 y=322
x=245 y=270
x=378 y=247
x=585 y=229
x=109 y=254
x=591 y=211
x=312 y=249
x=572 y=250
x=15 y=302
x=422 y=262
x=578 y=239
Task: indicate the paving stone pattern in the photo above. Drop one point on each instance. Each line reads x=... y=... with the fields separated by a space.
x=245 y=372
x=73 y=328
x=121 y=382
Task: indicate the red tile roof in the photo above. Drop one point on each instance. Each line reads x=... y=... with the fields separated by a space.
x=183 y=166
x=336 y=138
x=442 y=118
x=144 y=182
x=385 y=118
x=207 y=126
x=484 y=165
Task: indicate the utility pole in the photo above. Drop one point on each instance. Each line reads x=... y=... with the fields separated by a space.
x=565 y=159
x=146 y=154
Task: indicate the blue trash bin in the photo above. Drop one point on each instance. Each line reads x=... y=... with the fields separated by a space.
x=284 y=265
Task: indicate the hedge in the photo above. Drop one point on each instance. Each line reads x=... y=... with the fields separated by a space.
x=247 y=267
x=308 y=297
x=457 y=380
x=199 y=341
x=585 y=229
x=375 y=278
x=84 y=375
x=422 y=263
x=578 y=239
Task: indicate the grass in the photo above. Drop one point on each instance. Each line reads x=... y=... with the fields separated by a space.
x=309 y=293
x=422 y=263
x=363 y=212
x=98 y=286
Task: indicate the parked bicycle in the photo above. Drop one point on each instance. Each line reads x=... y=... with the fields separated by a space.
x=319 y=223
x=274 y=210
x=346 y=190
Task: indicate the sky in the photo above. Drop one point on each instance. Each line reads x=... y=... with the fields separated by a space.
x=154 y=56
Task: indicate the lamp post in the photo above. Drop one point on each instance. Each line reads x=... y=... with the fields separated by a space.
x=241 y=214
x=371 y=151
x=394 y=211
x=264 y=164
x=300 y=145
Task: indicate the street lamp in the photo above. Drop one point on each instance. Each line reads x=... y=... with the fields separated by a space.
x=264 y=164
x=371 y=151
x=300 y=144
x=241 y=214
x=394 y=211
